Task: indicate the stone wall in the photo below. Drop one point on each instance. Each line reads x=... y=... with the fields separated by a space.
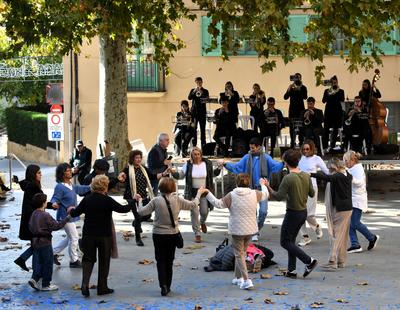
x=33 y=153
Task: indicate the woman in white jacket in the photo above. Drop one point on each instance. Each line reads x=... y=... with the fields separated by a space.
x=360 y=203
x=242 y=203
x=310 y=163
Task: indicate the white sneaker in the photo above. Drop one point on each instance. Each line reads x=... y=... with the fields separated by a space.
x=254 y=238
x=51 y=287
x=247 y=285
x=304 y=241
x=237 y=281
x=35 y=285
x=318 y=232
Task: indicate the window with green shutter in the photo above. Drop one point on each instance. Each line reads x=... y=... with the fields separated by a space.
x=389 y=48
x=296 y=27
x=206 y=38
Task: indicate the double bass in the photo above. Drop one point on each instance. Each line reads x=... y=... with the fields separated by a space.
x=377 y=116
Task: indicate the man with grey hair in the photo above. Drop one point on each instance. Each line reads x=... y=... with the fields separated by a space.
x=157 y=160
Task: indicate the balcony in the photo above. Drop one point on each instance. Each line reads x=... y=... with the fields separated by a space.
x=145 y=76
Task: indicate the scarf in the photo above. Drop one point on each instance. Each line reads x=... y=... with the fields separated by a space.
x=263 y=166
x=132 y=181
x=329 y=210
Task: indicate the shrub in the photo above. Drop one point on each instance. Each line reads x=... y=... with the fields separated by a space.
x=27 y=127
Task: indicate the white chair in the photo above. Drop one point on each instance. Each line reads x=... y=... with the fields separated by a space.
x=245 y=120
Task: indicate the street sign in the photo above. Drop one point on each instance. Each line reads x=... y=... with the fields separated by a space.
x=54 y=93
x=55 y=126
x=55 y=108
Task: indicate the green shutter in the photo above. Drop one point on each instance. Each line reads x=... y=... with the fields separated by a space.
x=296 y=28
x=388 y=47
x=365 y=48
x=206 y=38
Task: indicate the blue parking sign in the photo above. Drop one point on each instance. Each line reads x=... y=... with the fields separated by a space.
x=56 y=134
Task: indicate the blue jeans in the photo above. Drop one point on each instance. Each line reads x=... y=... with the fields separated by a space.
x=355 y=224
x=27 y=253
x=43 y=264
x=262 y=213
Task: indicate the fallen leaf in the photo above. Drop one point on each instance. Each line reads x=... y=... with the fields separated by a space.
x=249 y=300
x=198 y=307
x=5 y=299
x=187 y=252
x=30 y=302
x=102 y=302
x=362 y=283
x=280 y=293
x=177 y=264
x=5 y=226
x=195 y=247
x=4 y=287
x=194 y=268
x=59 y=301
x=370 y=211
x=76 y=287
x=342 y=300
x=146 y=262
x=282 y=269
x=148 y=280
x=265 y=276
x=359 y=265
x=274 y=227
x=317 y=304
x=3 y=239
x=268 y=301
x=93 y=287
x=137 y=307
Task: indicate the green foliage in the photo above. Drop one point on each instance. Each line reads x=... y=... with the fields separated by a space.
x=27 y=127
x=365 y=24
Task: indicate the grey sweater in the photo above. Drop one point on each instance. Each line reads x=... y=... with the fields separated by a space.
x=162 y=222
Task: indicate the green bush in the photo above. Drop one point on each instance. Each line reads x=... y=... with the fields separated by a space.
x=27 y=127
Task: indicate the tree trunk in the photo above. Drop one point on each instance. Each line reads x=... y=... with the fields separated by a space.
x=113 y=116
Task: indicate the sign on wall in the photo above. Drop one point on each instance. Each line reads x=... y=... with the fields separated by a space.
x=55 y=126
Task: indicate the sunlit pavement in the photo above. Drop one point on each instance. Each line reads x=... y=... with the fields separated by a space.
x=370 y=281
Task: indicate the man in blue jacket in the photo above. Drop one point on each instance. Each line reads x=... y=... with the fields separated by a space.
x=259 y=165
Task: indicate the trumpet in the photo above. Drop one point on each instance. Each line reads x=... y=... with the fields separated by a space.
x=332 y=91
x=307 y=120
x=348 y=121
x=296 y=87
x=198 y=93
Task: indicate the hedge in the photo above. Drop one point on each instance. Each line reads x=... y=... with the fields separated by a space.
x=27 y=127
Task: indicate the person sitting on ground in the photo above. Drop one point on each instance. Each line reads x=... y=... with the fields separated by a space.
x=41 y=224
x=242 y=203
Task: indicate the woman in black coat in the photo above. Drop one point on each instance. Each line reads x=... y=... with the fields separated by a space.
x=31 y=186
x=97 y=232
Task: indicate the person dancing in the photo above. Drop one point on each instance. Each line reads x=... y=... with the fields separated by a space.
x=360 y=204
x=296 y=187
x=338 y=204
x=198 y=172
x=310 y=163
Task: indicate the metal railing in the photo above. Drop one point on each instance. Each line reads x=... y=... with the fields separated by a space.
x=146 y=75
x=10 y=158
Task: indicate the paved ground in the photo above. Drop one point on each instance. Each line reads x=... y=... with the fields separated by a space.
x=136 y=285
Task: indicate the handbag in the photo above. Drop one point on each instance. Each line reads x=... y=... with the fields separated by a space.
x=178 y=236
x=222 y=245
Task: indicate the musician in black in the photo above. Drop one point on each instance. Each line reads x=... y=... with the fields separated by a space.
x=233 y=97
x=184 y=129
x=271 y=121
x=225 y=121
x=366 y=92
x=333 y=97
x=297 y=92
x=199 y=96
x=356 y=126
x=312 y=122
x=257 y=102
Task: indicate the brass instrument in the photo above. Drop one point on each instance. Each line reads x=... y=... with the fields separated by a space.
x=332 y=91
x=354 y=111
x=307 y=120
x=198 y=92
x=296 y=87
x=228 y=93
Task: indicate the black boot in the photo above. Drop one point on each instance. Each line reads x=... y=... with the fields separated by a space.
x=164 y=290
x=20 y=262
x=139 y=241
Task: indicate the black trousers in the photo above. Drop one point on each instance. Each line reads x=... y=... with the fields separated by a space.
x=182 y=140
x=137 y=222
x=164 y=249
x=291 y=225
x=92 y=245
x=202 y=123
x=292 y=132
x=313 y=134
x=328 y=124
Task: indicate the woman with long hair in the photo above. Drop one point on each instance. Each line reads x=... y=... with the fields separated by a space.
x=360 y=203
x=310 y=163
x=31 y=185
x=65 y=196
x=338 y=211
x=166 y=227
x=198 y=172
